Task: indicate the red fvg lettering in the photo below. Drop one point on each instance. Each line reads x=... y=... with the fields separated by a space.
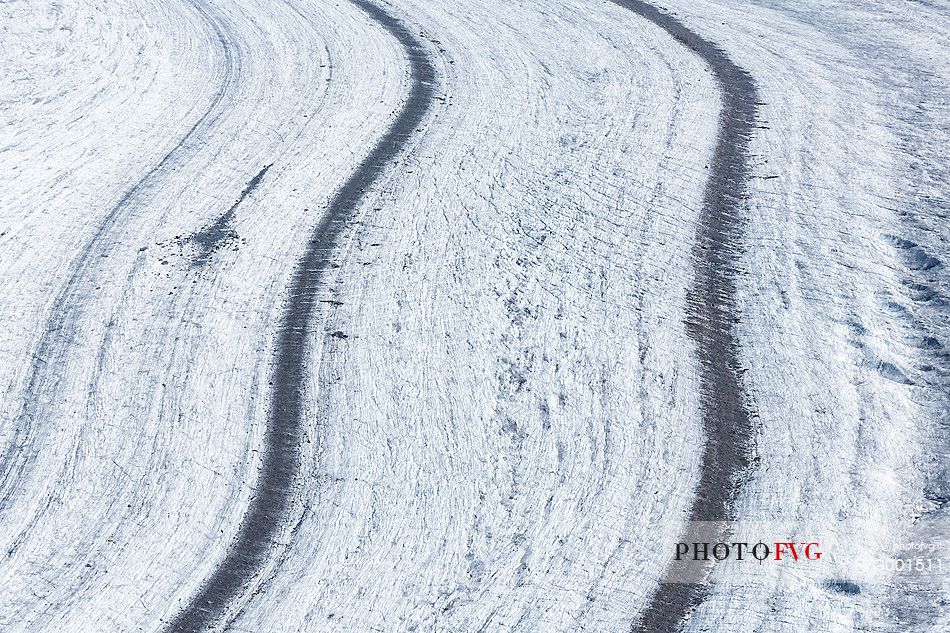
x=781 y=547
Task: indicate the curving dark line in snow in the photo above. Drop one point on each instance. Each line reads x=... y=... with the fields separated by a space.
x=711 y=307
x=58 y=333
x=252 y=546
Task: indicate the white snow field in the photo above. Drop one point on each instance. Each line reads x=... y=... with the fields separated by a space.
x=379 y=315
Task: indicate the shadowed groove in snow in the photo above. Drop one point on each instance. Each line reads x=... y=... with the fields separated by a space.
x=267 y=513
x=210 y=238
x=711 y=308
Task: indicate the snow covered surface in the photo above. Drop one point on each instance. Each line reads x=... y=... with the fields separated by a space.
x=504 y=431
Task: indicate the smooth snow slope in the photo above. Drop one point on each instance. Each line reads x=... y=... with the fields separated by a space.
x=503 y=427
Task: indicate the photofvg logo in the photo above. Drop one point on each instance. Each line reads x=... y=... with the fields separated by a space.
x=844 y=556
x=742 y=550
x=709 y=545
